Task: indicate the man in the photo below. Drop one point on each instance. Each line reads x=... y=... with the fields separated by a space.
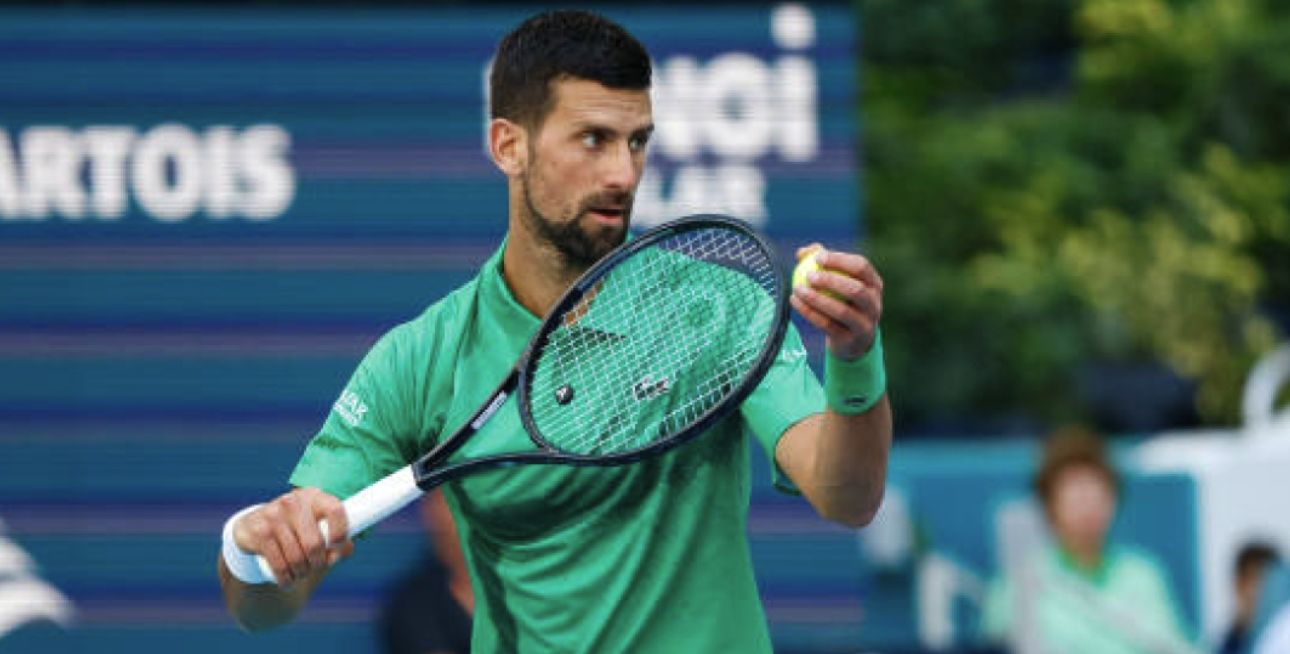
x=1253 y=561
x=1083 y=592
x=641 y=558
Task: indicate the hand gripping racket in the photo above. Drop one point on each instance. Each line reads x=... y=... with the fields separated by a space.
x=654 y=344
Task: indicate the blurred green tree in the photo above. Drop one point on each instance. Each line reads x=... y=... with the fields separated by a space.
x=1060 y=188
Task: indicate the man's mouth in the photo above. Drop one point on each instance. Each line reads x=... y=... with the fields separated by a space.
x=607 y=214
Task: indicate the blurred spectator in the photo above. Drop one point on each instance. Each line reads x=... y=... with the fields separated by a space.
x=1075 y=592
x=1270 y=629
x=429 y=611
x=1252 y=563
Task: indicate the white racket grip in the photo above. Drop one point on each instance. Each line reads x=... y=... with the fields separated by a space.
x=376 y=502
x=364 y=509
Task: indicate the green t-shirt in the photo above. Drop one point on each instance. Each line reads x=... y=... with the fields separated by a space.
x=1123 y=607
x=647 y=557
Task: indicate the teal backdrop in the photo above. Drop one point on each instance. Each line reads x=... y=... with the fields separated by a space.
x=207 y=215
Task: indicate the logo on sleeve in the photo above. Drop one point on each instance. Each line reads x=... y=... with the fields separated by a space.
x=350 y=408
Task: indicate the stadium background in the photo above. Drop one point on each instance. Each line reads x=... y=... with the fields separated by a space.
x=208 y=214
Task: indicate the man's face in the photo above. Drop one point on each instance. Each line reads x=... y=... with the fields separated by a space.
x=1083 y=504
x=1248 y=583
x=584 y=163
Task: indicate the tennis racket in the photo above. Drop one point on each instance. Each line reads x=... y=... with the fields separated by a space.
x=655 y=343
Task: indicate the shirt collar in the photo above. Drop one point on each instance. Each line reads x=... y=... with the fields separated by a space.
x=502 y=306
x=1097 y=575
x=498 y=301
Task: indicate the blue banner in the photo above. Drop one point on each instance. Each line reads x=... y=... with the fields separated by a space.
x=208 y=215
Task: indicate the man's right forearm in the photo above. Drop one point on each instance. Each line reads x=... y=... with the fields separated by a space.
x=298 y=553
x=258 y=607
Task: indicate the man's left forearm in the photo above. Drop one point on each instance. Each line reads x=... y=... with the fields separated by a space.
x=839 y=462
x=839 y=458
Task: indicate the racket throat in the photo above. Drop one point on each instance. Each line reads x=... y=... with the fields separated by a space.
x=488 y=411
x=428 y=470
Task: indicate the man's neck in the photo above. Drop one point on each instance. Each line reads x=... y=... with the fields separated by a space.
x=1088 y=559
x=534 y=272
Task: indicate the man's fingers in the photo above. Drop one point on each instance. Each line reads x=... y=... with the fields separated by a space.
x=807 y=249
x=843 y=299
x=341 y=551
x=850 y=332
x=853 y=265
x=288 y=534
x=271 y=534
x=305 y=527
x=297 y=559
x=255 y=533
x=333 y=512
x=849 y=294
x=836 y=310
x=841 y=285
x=295 y=529
x=277 y=563
x=816 y=317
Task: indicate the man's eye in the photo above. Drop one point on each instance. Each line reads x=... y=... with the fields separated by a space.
x=591 y=139
x=637 y=143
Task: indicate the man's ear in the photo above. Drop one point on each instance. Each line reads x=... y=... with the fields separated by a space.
x=508 y=145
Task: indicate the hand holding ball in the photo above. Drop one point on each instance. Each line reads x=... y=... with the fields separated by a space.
x=840 y=293
x=807 y=265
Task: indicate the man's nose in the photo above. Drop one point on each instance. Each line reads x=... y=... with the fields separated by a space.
x=621 y=168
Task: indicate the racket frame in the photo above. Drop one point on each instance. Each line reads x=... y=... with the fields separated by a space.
x=430 y=470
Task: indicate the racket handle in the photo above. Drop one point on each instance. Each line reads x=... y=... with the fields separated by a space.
x=376 y=502
x=364 y=509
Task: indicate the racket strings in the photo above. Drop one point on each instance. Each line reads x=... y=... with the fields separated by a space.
x=677 y=328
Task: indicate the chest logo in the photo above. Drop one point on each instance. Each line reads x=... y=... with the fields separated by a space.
x=649 y=388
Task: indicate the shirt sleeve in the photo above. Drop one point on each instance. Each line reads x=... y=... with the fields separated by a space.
x=788 y=393
x=370 y=430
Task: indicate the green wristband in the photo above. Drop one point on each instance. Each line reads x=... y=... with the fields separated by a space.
x=853 y=387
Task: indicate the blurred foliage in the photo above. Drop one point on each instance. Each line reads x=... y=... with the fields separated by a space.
x=1057 y=189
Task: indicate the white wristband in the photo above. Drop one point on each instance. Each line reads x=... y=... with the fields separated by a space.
x=240 y=563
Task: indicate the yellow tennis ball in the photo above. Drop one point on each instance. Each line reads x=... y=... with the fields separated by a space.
x=806 y=266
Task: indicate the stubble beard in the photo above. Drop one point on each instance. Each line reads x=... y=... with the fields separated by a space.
x=577 y=245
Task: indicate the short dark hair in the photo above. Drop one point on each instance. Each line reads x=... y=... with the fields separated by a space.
x=1255 y=556
x=560 y=44
x=1069 y=447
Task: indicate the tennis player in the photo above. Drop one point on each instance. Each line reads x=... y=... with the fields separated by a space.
x=647 y=557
